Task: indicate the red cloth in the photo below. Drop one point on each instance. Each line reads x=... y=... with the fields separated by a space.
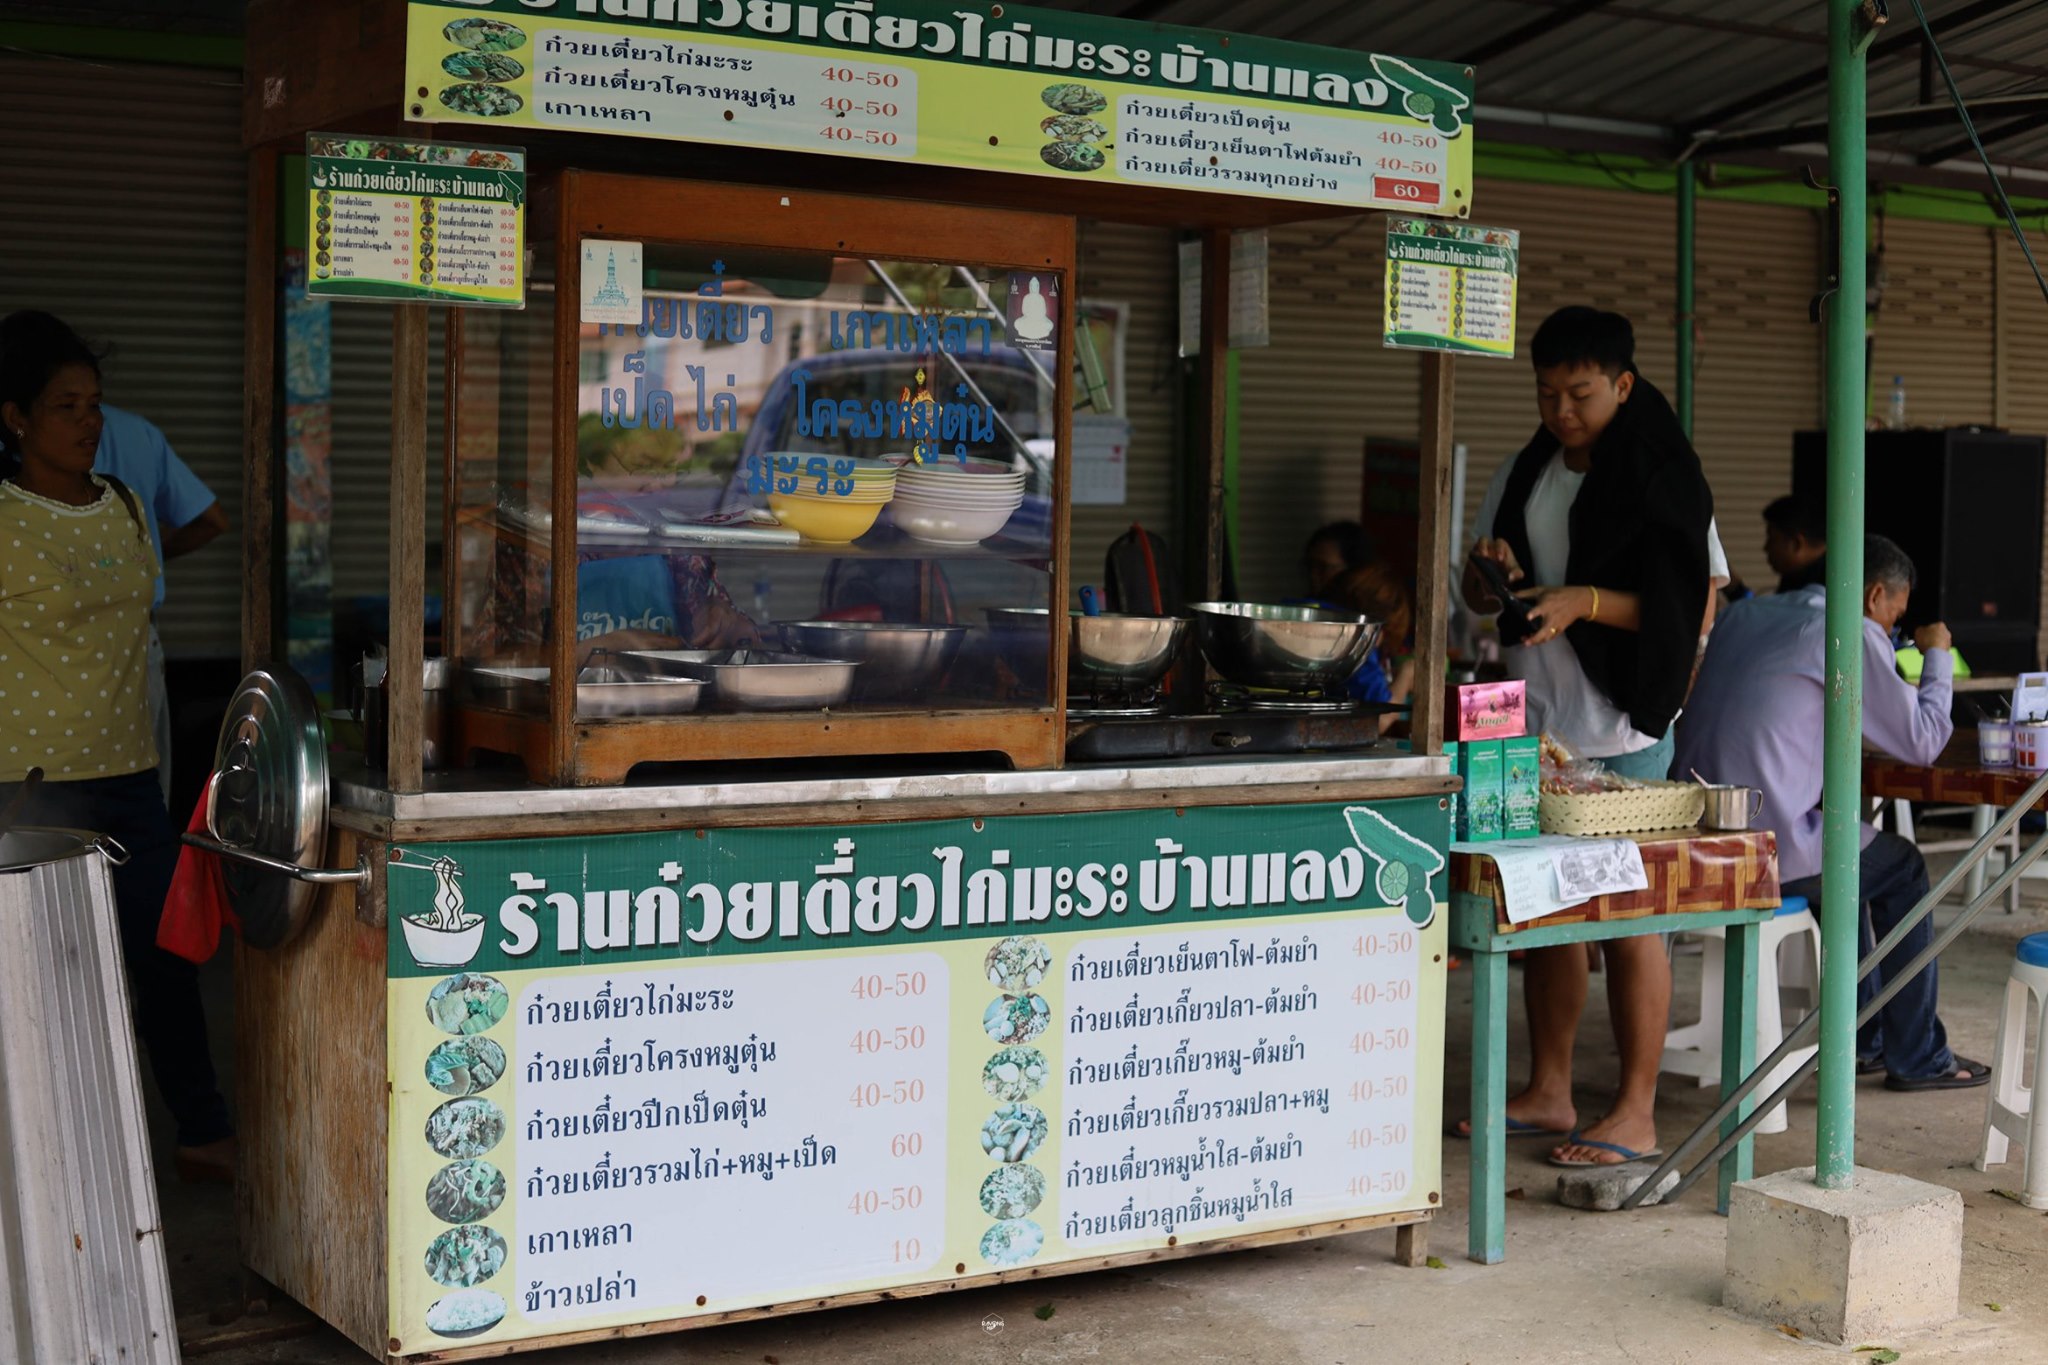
x=198 y=903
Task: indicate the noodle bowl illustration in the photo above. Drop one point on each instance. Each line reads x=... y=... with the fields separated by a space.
x=447 y=935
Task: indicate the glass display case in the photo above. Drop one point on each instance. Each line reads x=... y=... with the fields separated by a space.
x=794 y=467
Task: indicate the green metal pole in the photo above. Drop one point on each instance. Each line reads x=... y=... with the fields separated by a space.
x=1688 y=216
x=1841 y=800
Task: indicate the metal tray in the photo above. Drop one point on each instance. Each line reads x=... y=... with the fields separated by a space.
x=758 y=679
x=602 y=693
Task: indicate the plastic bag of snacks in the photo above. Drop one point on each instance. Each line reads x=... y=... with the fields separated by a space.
x=1567 y=772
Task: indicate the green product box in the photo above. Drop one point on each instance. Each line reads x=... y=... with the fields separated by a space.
x=1458 y=801
x=1479 y=810
x=1521 y=781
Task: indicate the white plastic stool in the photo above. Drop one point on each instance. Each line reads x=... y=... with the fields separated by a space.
x=1695 y=1049
x=2009 y=1112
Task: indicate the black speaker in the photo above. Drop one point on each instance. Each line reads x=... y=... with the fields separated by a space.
x=1966 y=505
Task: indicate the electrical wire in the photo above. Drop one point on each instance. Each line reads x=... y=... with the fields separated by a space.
x=1955 y=93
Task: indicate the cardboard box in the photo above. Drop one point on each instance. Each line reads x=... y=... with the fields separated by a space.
x=1521 y=785
x=1479 y=808
x=1494 y=710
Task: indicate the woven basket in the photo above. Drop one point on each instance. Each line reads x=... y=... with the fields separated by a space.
x=1654 y=805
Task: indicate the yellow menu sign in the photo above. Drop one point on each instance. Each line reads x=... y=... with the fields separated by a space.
x=1003 y=88
x=421 y=221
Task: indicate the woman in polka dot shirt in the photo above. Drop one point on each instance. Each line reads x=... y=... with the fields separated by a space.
x=77 y=575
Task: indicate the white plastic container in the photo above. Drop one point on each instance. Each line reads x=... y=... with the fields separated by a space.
x=1994 y=743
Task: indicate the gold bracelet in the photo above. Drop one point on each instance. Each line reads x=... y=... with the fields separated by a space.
x=1596 y=604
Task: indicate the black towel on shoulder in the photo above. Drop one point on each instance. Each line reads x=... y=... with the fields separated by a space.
x=1639 y=525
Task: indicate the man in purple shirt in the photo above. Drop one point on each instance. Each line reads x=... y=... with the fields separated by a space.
x=1755 y=719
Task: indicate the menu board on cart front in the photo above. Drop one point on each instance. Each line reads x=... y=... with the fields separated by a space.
x=1004 y=88
x=643 y=1078
x=419 y=221
x=1451 y=286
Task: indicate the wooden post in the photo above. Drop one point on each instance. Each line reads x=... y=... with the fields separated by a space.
x=1434 y=553
x=259 y=411
x=1214 y=369
x=404 y=700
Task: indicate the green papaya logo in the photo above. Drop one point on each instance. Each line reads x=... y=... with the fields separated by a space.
x=1424 y=98
x=1406 y=863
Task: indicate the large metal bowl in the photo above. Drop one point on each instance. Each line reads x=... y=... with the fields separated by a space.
x=898 y=662
x=1106 y=654
x=1296 y=648
x=759 y=679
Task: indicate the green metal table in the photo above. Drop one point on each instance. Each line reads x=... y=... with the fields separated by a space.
x=1476 y=929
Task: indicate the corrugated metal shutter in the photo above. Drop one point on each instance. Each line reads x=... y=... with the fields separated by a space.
x=1135 y=266
x=1309 y=400
x=2022 y=340
x=125 y=217
x=361 y=549
x=1759 y=377
x=1933 y=323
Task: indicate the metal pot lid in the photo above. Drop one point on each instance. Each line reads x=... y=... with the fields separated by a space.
x=268 y=794
x=31 y=846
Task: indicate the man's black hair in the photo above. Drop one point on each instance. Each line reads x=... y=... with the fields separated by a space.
x=1579 y=336
x=1354 y=546
x=1797 y=516
x=1884 y=562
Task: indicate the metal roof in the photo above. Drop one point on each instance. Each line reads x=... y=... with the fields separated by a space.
x=1659 y=76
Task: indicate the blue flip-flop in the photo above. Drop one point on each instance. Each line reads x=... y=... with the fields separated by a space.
x=1627 y=1154
x=1516 y=1128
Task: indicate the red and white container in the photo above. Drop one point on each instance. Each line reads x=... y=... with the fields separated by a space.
x=2030 y=746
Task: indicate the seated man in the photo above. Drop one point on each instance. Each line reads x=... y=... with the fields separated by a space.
x=1796 y=542
x=1755 y=718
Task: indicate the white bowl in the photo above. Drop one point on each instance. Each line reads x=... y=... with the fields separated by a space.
x=973 y=469
x=1009 y=501
x=956 y=528
x=922 y=480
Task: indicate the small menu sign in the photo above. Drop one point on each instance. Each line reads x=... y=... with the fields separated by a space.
x=415 y=221
x=1451 y=286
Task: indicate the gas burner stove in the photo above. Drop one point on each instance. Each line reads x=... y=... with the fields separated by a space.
x=1229 y=697
x=1348 y=728
x=1109 y=709
x=1118 y=706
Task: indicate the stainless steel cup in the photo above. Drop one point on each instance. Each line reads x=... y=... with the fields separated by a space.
x=1730 y=808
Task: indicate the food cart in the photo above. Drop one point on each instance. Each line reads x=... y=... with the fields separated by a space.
x=764 y=945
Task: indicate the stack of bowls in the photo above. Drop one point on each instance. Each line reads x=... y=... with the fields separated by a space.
x=833 y=517
x=955 y=504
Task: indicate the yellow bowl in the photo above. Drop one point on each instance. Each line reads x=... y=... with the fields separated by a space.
x=829 y=521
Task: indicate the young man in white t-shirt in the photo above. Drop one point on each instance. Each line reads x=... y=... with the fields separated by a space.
x=1585 y=382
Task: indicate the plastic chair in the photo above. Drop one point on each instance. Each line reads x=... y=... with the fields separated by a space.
x=1695 y=1049
x=2009 y=1112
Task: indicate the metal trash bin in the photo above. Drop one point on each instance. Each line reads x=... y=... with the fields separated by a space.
x=82 y=1269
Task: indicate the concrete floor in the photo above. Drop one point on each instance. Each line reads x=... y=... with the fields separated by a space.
x=1577 y=1287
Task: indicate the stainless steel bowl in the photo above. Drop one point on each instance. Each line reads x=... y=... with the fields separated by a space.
x=1287 y=647
x=759 y=679
x=1109 y=653
x=602 y=693
x=899 y=663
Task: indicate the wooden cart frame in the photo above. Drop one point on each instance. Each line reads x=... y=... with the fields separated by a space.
x=307 y=1146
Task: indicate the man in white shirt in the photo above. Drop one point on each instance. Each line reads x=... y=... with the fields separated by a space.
x=1607 y=510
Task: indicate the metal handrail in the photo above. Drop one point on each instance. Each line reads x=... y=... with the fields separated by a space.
x=1806 y=1027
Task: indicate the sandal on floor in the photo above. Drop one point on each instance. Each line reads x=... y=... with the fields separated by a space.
x=1627 y=1154
x=1974 y=1075
x=1869 y=1066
